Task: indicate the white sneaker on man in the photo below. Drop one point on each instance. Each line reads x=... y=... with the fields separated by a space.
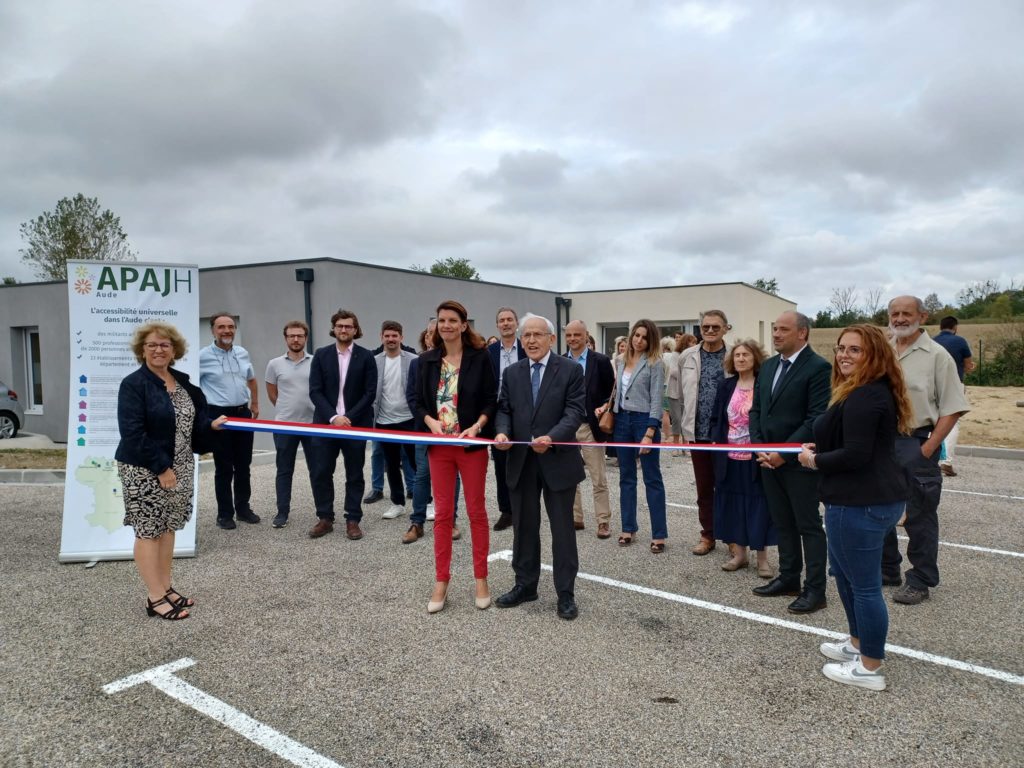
x=854 y=673
x=396 y=510
x=430 y=511
x=841 y=651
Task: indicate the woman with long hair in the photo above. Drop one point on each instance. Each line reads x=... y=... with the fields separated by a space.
x=457 y=395
x=637 y=408
x=741 y=514
x=864 y=490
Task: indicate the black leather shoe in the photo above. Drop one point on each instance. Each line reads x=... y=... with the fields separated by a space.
x=373 y=497
x=227 y=523
x=776 y=587
x=515 y=596
x=892 y=581
x=567 y=609
x=504 y=521
x=248 y=517
x=808 y=602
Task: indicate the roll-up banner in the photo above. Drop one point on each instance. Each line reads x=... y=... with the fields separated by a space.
x=107 y=301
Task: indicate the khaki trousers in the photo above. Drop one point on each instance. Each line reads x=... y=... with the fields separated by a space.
x=594 y=460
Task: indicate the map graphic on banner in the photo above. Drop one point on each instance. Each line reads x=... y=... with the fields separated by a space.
x=107 y=301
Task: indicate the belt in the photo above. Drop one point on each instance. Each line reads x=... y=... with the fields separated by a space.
x=236 y=408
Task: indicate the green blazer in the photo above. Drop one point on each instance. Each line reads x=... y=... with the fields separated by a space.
x=801 y=397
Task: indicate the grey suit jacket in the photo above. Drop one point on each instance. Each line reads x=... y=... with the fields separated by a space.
x=645 y=389
x=559 y=411
x=407 y=358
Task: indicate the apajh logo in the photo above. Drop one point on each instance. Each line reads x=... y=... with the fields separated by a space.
x=83 y=280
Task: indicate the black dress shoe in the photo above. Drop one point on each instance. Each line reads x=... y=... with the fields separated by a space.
x=248 y=517
x=892 y=581
x=227 y=523
x=808 y=602
x=776 y=587
x=567 y=609
x=504 y=521
x=373 y=497
x=515 y=596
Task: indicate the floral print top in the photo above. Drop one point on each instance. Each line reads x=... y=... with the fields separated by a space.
x=448 y=399
x=739 y=421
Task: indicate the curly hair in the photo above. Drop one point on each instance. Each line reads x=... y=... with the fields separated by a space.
x=164 y=331
x=878 y=361
x=753 y=347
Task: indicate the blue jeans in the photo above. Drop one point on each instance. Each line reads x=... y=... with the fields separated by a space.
x=421 y=488
x=855 y=537
x=378 y=464
x=630 y=427
x=287 y=446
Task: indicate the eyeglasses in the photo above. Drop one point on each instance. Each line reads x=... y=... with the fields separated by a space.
x=344 y=326
x=711 y=328
x=152 y=346
x=853 y=351
x=295 y=335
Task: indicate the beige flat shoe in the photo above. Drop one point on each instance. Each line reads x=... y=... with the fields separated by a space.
x=734 y=564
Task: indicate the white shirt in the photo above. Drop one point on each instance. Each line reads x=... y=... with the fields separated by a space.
x=792 y=359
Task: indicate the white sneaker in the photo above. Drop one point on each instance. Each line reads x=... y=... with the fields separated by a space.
x=430 y=511
x=396 y=510
x=841 y=651
x=854 y=673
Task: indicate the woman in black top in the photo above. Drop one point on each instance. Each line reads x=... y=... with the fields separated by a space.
x=162 y=419
x=864 y=490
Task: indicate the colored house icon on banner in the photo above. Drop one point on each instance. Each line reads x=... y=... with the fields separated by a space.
x=81 y=417
x=82 y=405
x=83 y=392
x=81 y=441
x=81 y=430
x=83 y=379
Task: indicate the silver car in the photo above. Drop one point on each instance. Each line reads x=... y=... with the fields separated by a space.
x=12 y=415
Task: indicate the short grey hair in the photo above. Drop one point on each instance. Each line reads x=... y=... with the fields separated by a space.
x=803 y=322
x=920 y=304
x=530 y=316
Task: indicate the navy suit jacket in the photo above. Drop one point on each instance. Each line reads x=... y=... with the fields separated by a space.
x=360 y=385
x=558 y=413
x=494 y=350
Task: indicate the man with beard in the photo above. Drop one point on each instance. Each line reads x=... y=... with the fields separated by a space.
x=937 y=397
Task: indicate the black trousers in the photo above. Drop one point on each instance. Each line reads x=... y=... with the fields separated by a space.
x=353 y=453
x=792 y=497
x=232 y=457
x=393 y=460
x=525 y=499
x=500 y=462
x=922 y=523
x=287 y=446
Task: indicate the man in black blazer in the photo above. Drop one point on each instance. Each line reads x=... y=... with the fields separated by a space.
x=598 y=380
x=342 y=386
x=542 y=401
x=792 y=390
x=504 y=352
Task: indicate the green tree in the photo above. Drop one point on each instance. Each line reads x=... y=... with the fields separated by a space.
x=769 y=284
x=450 y=267
x=75 y=229
x=8 y=281
x=932 y=304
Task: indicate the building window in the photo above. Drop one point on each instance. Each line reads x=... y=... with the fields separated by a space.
x=610 y=331
x=33 y=371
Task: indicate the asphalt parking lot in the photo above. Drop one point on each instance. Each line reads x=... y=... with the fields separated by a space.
x=323 y=650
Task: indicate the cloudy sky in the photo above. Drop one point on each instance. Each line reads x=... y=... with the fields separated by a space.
x=564 y=145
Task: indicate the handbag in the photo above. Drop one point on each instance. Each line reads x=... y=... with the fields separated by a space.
x=607 y=421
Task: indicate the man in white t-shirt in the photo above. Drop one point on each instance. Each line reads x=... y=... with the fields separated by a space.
x=391 y=410
x=287 y=381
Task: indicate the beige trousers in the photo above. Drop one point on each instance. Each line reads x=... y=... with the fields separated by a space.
x=594 y=460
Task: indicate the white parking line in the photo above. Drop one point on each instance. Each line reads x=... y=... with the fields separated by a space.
x=979 y=493
x=997 y=674
x=162 y=677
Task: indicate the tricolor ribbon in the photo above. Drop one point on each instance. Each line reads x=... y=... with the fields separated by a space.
x=426 y=438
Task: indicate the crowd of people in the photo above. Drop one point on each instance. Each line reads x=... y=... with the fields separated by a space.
x=871 y=427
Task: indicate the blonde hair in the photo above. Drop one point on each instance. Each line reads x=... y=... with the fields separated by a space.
x=164 y=330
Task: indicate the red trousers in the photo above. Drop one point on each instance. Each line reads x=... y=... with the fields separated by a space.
x=471 y=466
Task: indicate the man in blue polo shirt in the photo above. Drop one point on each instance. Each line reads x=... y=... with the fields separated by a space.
x=960 y=351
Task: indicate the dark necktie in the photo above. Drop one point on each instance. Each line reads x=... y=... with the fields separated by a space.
x=785 y=367
x=535 y=381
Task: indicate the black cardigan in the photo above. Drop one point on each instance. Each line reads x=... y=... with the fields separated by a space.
x=477 y=393
x=720 y=432
x=145 y=418
x=855 y=444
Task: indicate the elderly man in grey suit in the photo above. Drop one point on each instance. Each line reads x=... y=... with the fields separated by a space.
x=391 y=410
x=542 y=401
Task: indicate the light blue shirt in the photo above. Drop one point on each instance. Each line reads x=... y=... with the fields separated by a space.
x=223 y=374
x=582 y=359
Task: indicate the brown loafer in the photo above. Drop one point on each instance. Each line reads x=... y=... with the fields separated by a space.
x=603 y=531
x=705 y=546
x=415 y=532
x=322 y=528
x=352 y=530
x=578 y=525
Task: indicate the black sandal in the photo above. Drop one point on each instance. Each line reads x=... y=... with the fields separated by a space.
x=657 y=547
x=179 y=600
x=625 y=539
x=175 y=614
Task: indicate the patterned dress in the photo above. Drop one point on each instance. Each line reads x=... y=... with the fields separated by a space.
x=148 y=508
x=448 y=399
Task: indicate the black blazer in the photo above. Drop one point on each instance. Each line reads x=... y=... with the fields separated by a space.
x=494 y=350
x=360 y=385
x=801 y=397
x=720 y=430
x=597 y=383
x=855 y=445
x=558 y=413
x=477 y=391
x=145 y=418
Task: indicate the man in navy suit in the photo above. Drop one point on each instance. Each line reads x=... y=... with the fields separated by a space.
x=342 y=386
x=504 y=352
x=542 y=402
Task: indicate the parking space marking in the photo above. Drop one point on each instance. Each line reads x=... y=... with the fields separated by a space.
x=979 y=493
x=163 y=678
x=996 y=674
